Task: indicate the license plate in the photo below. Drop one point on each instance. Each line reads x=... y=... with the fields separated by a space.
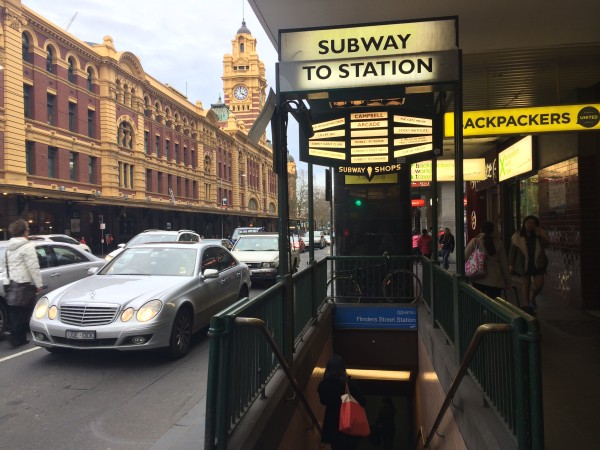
x=82 y=335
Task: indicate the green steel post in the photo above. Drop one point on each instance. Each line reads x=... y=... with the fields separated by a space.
x=222 y=419
x=522 y=407
x=535 y=388
x=458 y=172
x=215 y=333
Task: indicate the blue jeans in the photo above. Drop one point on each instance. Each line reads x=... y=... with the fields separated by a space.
x=445 y=255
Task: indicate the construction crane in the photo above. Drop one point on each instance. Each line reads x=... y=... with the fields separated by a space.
x=71 y=21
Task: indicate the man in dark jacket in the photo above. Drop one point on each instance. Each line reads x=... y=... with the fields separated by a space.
x=447 y=243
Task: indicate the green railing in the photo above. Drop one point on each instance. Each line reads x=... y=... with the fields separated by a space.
x=506 y=367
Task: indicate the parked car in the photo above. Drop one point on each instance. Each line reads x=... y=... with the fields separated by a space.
x=328 y=238
x=150 y=296
x=318 y=240
x=244 y=230
x=260 y=251
x=157 y=236
x=60 y=238
x=60 y=264
x=224 y=242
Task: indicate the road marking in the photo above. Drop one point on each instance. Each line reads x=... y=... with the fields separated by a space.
x=19 y=354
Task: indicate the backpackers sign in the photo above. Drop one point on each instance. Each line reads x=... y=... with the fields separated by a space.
x=401 y=53
x=545 y=119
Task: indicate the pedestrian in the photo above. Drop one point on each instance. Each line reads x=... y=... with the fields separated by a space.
x=22 y=282
x=82 y=240
x=447 y=243
x=415 y=243
x=330 y=390
x=497 y=276
x=425 y=243
x=527 y=258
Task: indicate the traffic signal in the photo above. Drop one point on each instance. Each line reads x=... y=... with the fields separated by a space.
x=358 y=202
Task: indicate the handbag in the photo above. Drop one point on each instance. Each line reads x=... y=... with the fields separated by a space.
x=475 y=265
x=353 y=418
x=18 y=294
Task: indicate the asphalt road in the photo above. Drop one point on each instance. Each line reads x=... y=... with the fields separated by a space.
x=104 y=399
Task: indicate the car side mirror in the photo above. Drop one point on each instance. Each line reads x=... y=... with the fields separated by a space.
x=210 y=273
x=121 y=245
x=93 y=270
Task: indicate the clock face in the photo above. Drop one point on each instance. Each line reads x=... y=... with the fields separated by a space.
x=240 y=92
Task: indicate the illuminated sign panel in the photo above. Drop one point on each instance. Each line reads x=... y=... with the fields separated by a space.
x=473 y=170
x=545 y=119
x=368 y=40
x=516 y=159
x=369 y=55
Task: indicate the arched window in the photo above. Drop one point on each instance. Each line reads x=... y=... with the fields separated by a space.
x=242 y=47
x=253 y=205
x=125 y=137
x=49 y=58
x=89 y=79
x=25 y=48
x=207 y=165
x=71 y=74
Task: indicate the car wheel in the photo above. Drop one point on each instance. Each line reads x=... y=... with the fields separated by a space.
x=3 y=318
x=181 y=334
x=243 y=293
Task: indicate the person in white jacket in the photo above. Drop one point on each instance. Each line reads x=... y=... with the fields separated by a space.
x=20 y=265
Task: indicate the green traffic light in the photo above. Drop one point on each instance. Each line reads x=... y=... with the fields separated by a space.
x=358 y=202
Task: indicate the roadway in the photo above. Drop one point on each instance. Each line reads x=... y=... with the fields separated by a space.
x=105 y=399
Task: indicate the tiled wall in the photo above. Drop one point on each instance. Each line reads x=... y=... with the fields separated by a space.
x=560 y=215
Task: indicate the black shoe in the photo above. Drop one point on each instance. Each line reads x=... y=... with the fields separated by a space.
x=19 y=342
x=528 y=309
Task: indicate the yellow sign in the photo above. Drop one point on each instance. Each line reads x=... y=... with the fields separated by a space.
x=473 y=170
x=390 y=178
x=545 y=119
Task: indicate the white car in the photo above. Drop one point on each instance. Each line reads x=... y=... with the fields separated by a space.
x=260 y=252
x=65 y=238
x=156 y=236
x=318 y=240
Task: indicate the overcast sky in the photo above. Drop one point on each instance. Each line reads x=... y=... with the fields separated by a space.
x=179 y=42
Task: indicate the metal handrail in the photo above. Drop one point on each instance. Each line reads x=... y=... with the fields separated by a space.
x=260 y=324
x=486 y=328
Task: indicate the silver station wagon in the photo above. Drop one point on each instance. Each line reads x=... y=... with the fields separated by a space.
x=150 y=296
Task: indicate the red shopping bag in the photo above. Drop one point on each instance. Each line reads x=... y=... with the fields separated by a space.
x=353 y=418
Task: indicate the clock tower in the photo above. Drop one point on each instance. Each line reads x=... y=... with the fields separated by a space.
x=244 y=81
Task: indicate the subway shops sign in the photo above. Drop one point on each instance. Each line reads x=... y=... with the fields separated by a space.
x=544 y=119
x=400 y=53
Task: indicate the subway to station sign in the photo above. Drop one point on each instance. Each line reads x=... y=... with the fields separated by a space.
x=544 y=119
x=369 y=55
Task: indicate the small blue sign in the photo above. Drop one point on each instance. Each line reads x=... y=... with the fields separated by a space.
x=375 y=317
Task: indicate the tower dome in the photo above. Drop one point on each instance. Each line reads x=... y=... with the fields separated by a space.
x=244 y=29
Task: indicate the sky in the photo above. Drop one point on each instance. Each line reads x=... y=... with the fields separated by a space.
x=180 y=43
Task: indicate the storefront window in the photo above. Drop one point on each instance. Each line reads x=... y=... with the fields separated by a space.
x=530 y=204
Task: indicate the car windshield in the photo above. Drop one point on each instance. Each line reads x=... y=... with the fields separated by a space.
x=256 y=244
x=145 y=238
x=155 y=261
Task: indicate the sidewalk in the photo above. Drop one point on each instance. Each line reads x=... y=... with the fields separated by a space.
x=570 y=349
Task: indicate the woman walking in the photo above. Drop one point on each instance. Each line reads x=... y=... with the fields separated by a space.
x=497 y=276
x=528 y=259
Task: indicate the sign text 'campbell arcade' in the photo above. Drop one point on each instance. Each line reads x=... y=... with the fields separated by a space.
x=369 y=55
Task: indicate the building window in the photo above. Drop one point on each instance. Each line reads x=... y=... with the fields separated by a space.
x=25 y=48
x=242 y=47
x=157 y=145
x=50 y=101
x=185 y=156
x=71 y=70
x=30 y=157
x=193 y=159
x=72 y=116
x=194 y=189
x=176 y=152
x=89 y=79
x=92 y=170
x=73 y=164
x=159 y=182
x=168 y=149
x=91 y=123
x=170 y=184
x=148 y=180
x=52 y=156
x=146 y=144
x=49 y=59
x=27 y=101
x=131 y=176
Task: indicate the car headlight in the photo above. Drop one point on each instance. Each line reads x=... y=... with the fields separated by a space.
x=52 y=312
x=149 y=310
x=127 y=315
x=41 y=307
